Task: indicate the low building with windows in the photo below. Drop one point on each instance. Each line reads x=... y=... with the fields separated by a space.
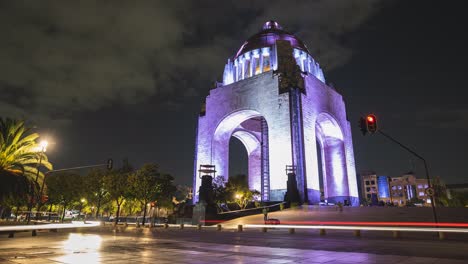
x=407 y=187
x=394 y=190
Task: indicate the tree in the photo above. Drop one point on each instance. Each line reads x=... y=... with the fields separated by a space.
x=19 y=159
x=94 y=188
x=238 y=191
x=145 y=184
x=220 y=192
x=117 y=184
x=65 y=189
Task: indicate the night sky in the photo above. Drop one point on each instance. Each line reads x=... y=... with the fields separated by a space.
x=126 y=78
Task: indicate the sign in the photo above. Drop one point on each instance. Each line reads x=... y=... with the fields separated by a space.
x=429 y=191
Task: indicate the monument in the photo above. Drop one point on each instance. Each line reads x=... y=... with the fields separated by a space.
x=275 y=100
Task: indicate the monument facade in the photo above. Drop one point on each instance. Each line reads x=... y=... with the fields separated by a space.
x=275 y=100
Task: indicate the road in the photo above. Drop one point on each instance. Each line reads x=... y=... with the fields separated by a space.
x=172 y=245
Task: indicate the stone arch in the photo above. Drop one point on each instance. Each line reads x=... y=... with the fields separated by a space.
x=245 y=126
x=330 y=138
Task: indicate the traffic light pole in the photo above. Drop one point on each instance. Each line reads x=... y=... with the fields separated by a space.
x=425 y=167
x=108 y=164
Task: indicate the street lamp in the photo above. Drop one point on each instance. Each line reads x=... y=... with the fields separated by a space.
x=82 y=201
x=43 y=147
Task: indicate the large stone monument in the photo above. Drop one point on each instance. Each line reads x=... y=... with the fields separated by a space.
x=275 y=100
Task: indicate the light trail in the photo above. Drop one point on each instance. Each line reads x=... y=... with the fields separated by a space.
x=359 y=223
x=368 y=228
x=49 y=226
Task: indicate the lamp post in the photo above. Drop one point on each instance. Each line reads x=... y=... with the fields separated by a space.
x=82 y=201
x=43 y=147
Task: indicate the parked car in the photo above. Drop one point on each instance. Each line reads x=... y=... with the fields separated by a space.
x=272 y=221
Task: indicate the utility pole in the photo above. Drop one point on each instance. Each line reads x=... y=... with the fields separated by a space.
x=369 y=124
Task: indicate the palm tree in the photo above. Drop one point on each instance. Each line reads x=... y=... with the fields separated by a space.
x=20 y=158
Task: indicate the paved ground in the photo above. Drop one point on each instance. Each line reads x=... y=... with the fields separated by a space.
x=209 y=246
x=375 y=213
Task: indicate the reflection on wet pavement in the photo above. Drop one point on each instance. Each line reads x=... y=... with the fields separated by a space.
x=107 y=248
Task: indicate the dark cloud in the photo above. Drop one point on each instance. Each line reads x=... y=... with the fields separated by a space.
x=451 y=118
x=58 y=58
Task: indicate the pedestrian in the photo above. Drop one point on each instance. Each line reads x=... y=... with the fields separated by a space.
x=265 y=214
x=340 y=206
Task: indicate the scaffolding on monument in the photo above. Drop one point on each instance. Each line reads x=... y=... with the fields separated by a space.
x=207 y=170
x=265 y=163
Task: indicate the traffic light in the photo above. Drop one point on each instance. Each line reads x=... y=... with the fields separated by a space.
x=109 y=164
x=371 y=123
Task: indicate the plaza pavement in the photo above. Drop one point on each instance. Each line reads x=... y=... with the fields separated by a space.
x=159 y=245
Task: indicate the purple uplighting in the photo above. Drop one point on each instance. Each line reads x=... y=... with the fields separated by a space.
x=276 y=131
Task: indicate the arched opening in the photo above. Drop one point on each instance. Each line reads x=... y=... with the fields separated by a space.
x=251 y=130
x=332 y=157
x=238 y=158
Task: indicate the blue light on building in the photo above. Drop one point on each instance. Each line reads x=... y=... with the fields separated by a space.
x=382 y=182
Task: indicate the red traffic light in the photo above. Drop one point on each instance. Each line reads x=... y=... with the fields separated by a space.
x=371 y=123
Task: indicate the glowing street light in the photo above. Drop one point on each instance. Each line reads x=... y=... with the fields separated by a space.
x=43 y=147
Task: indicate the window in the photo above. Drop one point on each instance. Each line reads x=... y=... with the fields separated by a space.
x=246 y=68
x=239 y=71
x=421 y=193
x=393 y=187
x=367 y=182
x=425 y=186
x=368 y=189
x=368 y=196
x=372 y=182
x=420 y=186
x=266 y=63
x=399 y=187
x=428 y=200
x=257 y=65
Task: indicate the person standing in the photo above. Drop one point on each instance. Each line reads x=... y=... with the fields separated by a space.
x=265 y=214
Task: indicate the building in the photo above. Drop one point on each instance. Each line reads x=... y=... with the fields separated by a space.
x=457 y=194
x=456 y=188
x=369 y=187
x=408 y=187
x=275 y=100
x=375 y=188
x=394 y=190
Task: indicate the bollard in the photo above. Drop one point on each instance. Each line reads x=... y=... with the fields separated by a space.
x=166 y=226
x=34 y=233
x=11 y=235
x=292 y=230
x=357 y=233
x=181 y=226
x=137 y=224
x=199 y=226
x=441 y=235
x=396 y=234
x=239 y=228
x=322 y=232
x=218 y=227
x=264 y=229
